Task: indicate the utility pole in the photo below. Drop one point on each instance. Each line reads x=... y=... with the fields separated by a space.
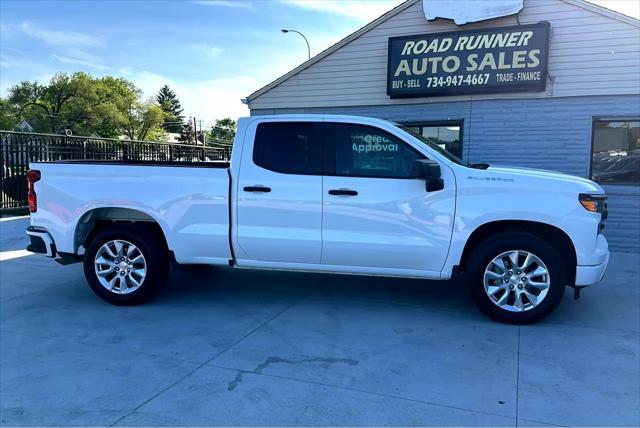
x=195 y=131
x=204 y=135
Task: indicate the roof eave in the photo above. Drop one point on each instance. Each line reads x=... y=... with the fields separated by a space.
x=604 y=11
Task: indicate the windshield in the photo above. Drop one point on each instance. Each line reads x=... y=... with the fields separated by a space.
x=435 y=147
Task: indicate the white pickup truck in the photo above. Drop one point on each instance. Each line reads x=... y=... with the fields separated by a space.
x=326 y=193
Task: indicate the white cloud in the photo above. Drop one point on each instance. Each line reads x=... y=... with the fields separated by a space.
x=206 y=100
x=69 y=42
x=211 y=51
x=11 y=62
x=224 y=3
x=364 y=10
x=58 y=37
x=78 y=61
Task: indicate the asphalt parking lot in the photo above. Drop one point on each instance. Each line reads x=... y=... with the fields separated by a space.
x=226 y=347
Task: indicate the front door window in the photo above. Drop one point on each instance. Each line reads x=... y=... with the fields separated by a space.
x=448 y=136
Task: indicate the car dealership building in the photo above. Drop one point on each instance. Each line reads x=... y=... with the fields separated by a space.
x=552 y=86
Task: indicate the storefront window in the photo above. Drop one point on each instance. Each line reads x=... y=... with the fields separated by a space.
x=616 y=152
x=448 y=136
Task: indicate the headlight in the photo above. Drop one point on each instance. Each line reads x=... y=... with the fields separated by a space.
x=595 y=203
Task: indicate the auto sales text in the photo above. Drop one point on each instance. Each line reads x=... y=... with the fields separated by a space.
x=434 y=54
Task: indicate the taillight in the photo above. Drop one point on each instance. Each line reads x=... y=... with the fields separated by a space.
x=33 y=175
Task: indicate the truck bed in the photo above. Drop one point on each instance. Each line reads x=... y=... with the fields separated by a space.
x=190 y=203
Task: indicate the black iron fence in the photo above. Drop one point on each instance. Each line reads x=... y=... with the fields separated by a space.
x=18 y=149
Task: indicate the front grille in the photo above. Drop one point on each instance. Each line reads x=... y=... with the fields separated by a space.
x=604 y=213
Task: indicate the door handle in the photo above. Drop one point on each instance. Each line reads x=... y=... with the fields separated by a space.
x=343 y=192
x=262 y=189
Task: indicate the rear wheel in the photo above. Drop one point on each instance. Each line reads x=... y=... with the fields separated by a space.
x=126 y=264
x=516 y=278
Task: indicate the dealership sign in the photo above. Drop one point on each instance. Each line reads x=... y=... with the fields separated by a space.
x=503 y=59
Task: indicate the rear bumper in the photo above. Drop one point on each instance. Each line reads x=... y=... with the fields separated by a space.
x=592 y=274
x=41 y=242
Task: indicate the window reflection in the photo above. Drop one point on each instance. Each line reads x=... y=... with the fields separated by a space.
x=446 y=136
x=616 y=152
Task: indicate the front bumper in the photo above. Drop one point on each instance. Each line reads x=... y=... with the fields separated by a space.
x=592 y=274
x=41 y=242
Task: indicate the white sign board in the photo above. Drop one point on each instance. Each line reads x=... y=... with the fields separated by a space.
x=464 y=11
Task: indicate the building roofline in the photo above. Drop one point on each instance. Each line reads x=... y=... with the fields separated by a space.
x=396 y=10
x=604 y=11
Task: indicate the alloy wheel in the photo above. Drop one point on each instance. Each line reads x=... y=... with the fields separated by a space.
x=516 y=280
x=120 y=266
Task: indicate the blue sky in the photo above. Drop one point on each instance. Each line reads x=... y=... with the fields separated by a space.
x=211 y=52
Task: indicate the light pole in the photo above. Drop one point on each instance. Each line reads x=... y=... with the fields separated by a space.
x=305 y=39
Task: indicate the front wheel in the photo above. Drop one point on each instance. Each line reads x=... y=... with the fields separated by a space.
x=516 y=278
x=126 y=264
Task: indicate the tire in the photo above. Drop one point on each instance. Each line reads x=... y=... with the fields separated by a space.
x=514 y=299
x=144 y=272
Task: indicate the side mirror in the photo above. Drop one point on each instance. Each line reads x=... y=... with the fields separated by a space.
x=430 y=171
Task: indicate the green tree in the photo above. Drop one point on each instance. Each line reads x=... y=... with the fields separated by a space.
x=113 y=118
x=43 y=104
x=109 y=106
x=224 y=130
x=8 y=115
x=170 y=105
x=143 y=119
x=77 y=101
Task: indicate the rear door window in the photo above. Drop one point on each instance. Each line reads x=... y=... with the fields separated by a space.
x=289 y=147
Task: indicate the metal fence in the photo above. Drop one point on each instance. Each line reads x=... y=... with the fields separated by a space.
x=18 y=149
